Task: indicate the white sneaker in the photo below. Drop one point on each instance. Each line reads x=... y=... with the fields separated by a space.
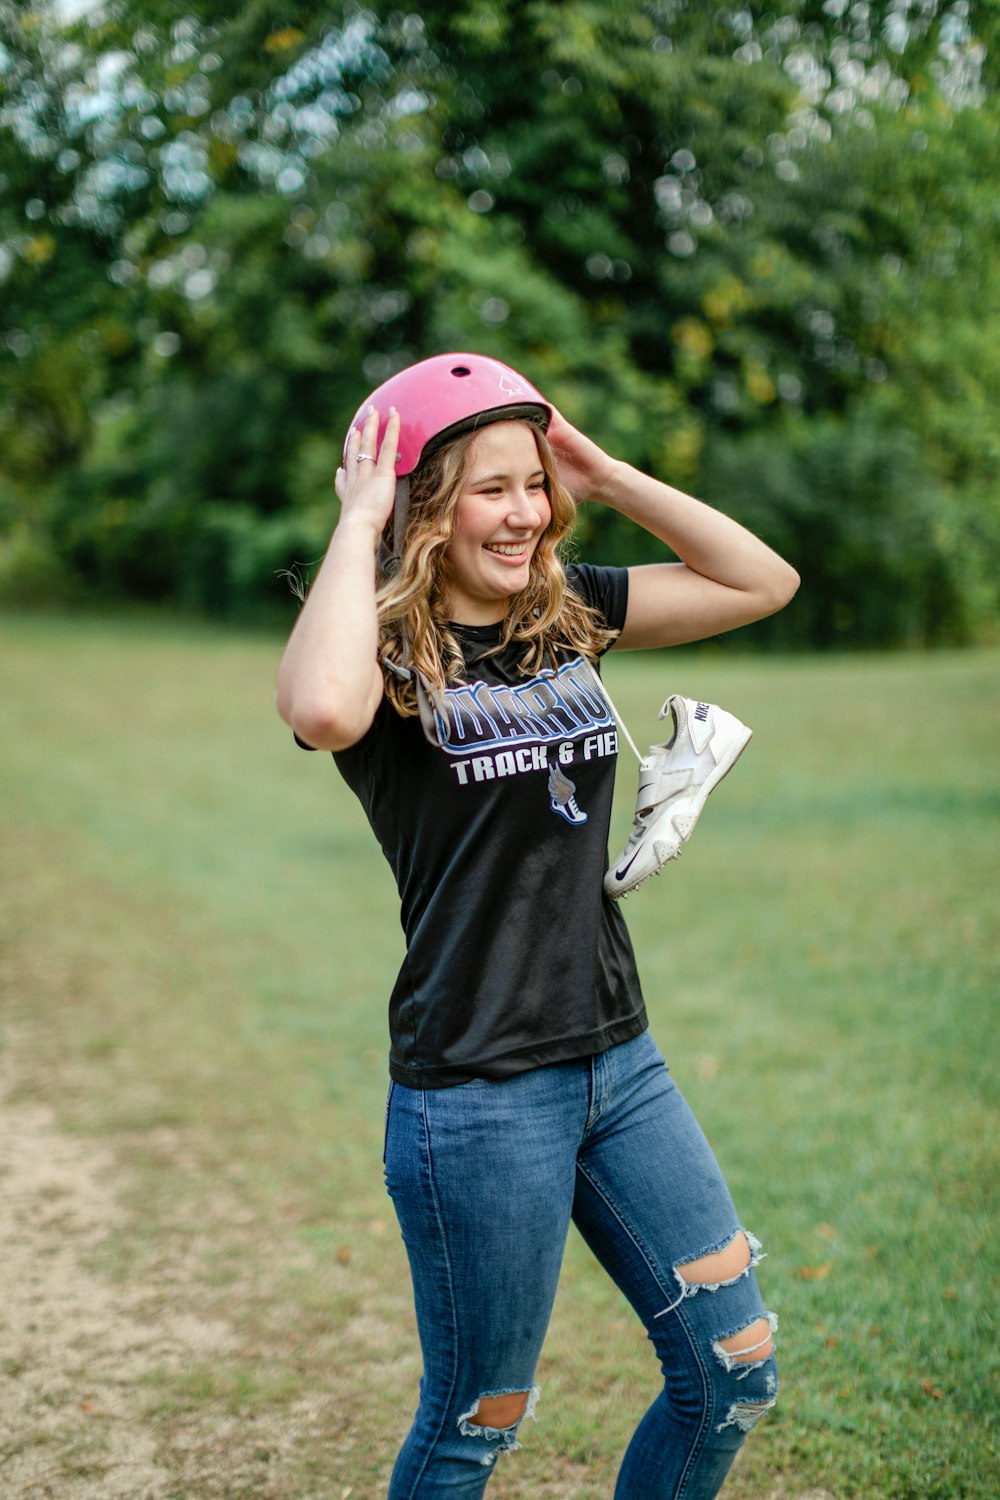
x=674 y=782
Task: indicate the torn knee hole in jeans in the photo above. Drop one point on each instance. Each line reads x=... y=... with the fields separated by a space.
x=745 y=1414
x=516 y=1405
x=717 y=1267
x=747 y=1348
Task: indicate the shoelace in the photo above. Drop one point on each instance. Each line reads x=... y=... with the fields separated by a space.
x=611 y=704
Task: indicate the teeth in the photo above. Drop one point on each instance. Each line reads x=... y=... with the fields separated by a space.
x=511 y=549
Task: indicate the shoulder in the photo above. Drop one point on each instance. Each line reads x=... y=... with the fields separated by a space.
x=603 y=588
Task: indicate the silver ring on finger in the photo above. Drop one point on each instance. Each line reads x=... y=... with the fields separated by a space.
x=360 y=458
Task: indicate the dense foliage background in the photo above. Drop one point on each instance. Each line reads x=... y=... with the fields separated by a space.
x=752 y=248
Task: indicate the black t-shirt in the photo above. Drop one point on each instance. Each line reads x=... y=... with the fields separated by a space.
x=498 y=842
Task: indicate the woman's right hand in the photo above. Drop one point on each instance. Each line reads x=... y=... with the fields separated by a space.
x=366 y=484
x=329 y=681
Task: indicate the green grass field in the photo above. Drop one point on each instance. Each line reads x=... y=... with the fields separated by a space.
x=199 y=939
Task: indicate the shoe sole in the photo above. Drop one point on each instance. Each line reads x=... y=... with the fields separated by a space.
x=708 y=786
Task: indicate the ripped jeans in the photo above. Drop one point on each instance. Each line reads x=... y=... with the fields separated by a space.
x=485 y=1178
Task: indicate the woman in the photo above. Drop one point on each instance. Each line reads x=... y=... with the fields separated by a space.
x=450 y=674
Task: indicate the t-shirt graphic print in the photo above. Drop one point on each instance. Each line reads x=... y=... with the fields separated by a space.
x=544 y=724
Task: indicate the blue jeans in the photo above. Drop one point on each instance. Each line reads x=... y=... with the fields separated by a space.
x=485 y=1178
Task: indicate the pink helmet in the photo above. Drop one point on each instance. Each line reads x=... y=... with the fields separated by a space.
x=437 y=399
x=448 y=394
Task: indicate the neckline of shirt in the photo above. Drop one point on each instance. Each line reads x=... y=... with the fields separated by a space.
x=477 y=632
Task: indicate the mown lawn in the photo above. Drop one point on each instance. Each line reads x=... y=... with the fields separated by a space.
x=200 y=939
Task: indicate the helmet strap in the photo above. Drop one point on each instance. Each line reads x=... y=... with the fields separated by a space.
x=400 y=514
x=426 y=705
x=426 y=696
x=389 y=559
x=427 y=699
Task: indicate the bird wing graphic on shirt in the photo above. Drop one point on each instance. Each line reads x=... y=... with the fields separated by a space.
x=562 y=796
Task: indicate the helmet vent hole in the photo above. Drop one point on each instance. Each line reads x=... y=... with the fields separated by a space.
x=461 y=370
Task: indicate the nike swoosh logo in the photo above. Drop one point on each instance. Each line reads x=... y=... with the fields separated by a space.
x=624 y=869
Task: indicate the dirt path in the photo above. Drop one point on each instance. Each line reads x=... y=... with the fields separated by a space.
x=74 y=1349
x=83 y=1353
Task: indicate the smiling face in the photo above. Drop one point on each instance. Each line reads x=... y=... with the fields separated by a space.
x=502 y=512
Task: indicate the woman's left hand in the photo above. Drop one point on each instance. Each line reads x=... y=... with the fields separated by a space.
x=584 y=468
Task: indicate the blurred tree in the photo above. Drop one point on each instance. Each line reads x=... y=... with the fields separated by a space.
x=725 y=241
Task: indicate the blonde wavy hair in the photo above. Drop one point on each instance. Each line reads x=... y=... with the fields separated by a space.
x=412 y=596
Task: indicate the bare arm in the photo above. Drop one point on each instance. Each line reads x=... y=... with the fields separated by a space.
x=329 y=680
x=726 y=577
